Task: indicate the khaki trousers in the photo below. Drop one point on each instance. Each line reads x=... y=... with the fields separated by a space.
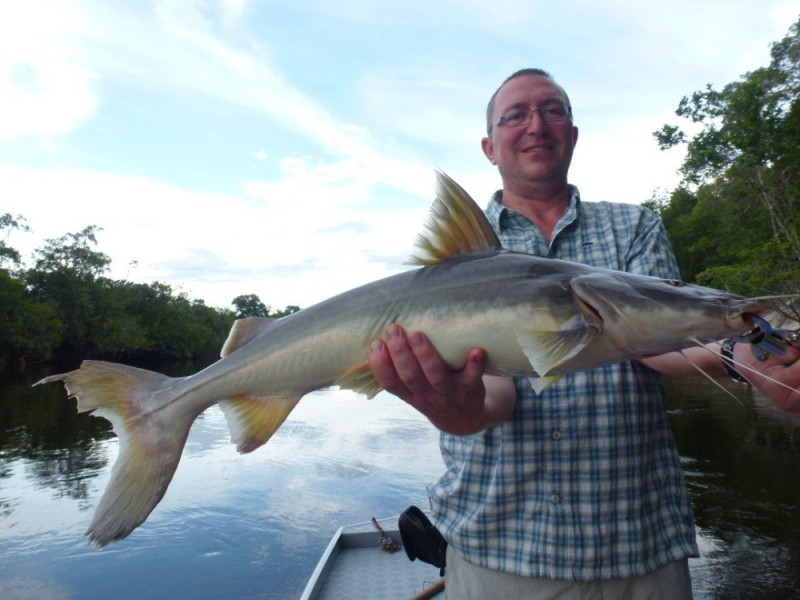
x=465 y=581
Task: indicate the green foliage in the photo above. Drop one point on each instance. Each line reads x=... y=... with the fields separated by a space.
x=734 y=221
x=64 y=309
x=10 y=224
x=27 y=327
x=291 y=308
x=250 y=305
x=72 y=255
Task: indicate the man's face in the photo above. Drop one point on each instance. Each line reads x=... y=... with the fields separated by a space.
x=537 y=152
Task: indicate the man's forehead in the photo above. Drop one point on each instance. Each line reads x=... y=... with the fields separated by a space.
x=524 y=87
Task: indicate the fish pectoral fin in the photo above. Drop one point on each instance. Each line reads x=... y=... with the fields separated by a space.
x=540 y=383
x=253 y=420
x=360 y=379
x=546 y=350
x=244 y=331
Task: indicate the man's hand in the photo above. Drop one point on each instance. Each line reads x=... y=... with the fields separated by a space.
x=781 y=376
x=458 y=402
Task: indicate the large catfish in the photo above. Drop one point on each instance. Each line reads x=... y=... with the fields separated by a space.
x=534 y=316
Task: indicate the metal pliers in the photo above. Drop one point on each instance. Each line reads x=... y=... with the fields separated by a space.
x=764 y=340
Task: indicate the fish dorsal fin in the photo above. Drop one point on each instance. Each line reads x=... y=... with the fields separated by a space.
x=455 y=225
x=243 y=332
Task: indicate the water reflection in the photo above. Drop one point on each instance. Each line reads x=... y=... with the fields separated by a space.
x=229 y=526
x=60 y=448
x=253 y=526
x=742 y=463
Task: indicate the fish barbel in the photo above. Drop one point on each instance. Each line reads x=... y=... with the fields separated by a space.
x=535 y=317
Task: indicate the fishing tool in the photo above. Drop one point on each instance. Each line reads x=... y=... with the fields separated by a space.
x=765 y=340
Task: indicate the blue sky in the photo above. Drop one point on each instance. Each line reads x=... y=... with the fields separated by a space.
x=287 y=149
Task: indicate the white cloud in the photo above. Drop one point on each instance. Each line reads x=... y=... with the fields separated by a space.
x=785 y=14
x=624 y=163
x=296 y=240
x=43 y=91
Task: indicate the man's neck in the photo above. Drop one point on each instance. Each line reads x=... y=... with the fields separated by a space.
x=544 y=208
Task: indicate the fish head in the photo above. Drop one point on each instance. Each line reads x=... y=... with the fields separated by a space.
x=643 y=315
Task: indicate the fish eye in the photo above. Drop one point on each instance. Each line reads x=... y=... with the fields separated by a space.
x=674 y=282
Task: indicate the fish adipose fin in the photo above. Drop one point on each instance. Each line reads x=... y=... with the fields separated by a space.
x=151 y=439
x=547 y=350
x=456 y=225
x=360 y=379
x=252 y=421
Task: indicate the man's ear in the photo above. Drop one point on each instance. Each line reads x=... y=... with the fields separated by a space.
x=488 y=149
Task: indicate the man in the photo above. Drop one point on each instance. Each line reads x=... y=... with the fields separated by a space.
x=576 y=492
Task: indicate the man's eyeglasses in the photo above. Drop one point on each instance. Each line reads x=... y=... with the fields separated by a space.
x=517 y=117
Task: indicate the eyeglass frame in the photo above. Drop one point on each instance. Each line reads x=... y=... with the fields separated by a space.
x=501 y=121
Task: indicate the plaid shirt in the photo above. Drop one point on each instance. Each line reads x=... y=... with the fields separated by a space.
x=582 y=482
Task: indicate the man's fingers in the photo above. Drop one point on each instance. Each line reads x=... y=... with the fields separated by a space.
x=405 y=360
x=436 y=373
x=380 y=361
x=791 y=356
x=476 y=364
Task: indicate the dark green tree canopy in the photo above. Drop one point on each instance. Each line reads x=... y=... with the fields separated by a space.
x=64 y=308
x=9 y=224
x=734 y=222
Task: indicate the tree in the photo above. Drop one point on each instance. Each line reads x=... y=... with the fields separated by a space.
x=28 y=329
x=72 y=253
x=65 y=277
x=249 y=305
x=65 y=309
x=735 y=219
x=10 y=224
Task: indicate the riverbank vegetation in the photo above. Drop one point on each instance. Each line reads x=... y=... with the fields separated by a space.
x=63 y=309
x=734 y=221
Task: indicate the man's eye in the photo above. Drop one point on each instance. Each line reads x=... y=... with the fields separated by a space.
x=513 y=117
x=554 y=112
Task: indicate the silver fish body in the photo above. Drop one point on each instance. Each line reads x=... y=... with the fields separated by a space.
x=534 y=316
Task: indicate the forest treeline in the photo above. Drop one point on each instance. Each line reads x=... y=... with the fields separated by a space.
x=63 y=309
x=734 y=223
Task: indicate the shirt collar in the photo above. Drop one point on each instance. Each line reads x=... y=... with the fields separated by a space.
x=501 y=217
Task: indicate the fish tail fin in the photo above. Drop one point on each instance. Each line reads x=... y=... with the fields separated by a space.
x=151 y=440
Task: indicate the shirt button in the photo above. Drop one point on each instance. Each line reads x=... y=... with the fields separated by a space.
x=555 y=498
x=556 y=434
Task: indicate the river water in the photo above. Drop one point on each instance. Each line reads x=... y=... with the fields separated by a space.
x=253 y=526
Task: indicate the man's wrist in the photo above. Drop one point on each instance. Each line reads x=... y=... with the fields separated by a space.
x=726 y=350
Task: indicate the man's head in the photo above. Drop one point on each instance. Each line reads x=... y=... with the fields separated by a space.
x=530 y=133
x=520 y=73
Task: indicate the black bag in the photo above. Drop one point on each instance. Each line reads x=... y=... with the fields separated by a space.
x=421 y=539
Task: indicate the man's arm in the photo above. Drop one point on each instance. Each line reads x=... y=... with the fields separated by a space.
x=778 y=378
x=457 y=402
